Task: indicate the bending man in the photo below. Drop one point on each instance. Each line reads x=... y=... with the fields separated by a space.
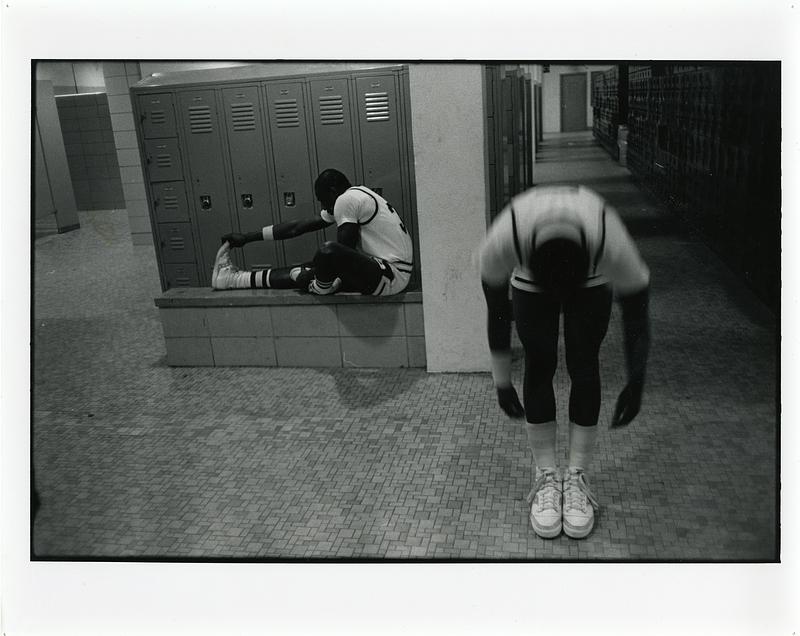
x=565 y=250
x=372 y=253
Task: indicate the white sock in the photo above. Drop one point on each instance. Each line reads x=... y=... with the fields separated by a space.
x=239 y=280
x=542 y=442
x=581 y=444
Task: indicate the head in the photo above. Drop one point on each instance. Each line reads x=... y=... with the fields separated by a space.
x=328 y=186
x=559 y=264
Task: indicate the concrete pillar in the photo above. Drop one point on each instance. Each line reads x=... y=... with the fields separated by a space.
x=52 y=169
x=119 y=77
x=448 y=120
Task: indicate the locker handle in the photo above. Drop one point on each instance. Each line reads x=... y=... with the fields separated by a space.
x=156 y=202
x=143 y=116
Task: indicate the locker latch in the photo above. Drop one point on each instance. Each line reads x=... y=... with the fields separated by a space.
x=247 y=201
x=205 y=202
x=288 y=199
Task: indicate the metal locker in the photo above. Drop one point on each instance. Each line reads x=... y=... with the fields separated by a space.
x=169 y=202
x=245 y=128
x=176 y=242
x=333 y=130
x=181 y=275
x=380 y=140
x=157 y=114
x=293 y=178
x=209 y=205
x=163 y=160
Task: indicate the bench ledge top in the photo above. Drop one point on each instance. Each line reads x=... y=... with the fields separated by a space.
x=207 y=297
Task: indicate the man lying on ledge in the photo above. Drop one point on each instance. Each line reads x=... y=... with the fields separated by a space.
x=372 y=253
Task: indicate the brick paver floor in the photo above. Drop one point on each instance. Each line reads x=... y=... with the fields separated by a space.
x=136 y=459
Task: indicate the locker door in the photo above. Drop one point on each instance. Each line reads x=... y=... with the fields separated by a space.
x=380 y=140
x=209 y=205
x=163 y=159
x=287 y=120
x=177 y=245
x=181 y=275
x=157 y=113
x=252 y=196
x=169 y=202
x=333 y=130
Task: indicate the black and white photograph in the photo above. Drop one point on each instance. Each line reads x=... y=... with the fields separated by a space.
x=306 y=323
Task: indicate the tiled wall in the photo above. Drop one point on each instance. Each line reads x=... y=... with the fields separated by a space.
x=91 y=155
x=119 y=77
x=335 y=335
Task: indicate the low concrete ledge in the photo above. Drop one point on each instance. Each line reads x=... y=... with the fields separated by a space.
x=207 y=297
x=285 y=328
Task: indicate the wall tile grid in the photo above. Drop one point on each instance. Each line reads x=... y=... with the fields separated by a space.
x=120 y=76
x=363 y=335
x=91 y=154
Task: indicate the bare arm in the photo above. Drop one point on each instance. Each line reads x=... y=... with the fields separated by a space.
x=277 y=232
x=348 y=234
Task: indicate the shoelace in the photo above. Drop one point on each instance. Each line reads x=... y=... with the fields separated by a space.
x=547 y=488
x=577 y=493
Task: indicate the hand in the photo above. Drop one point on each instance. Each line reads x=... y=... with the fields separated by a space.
x=628 y=405
x=509 y=402
x=235 y=239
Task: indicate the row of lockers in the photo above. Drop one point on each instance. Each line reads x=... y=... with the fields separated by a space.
x=707 y=141
x=605 y=109
x=512 y=116
x=225 y=155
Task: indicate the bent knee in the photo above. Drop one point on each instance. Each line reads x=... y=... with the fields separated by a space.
x=329 y=247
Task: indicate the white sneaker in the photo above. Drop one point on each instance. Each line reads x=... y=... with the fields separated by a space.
x=545 y=500
x=323 y=289
x=579 y=504
x=225 y=275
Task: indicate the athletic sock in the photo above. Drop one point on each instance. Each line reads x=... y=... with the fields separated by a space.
x=581 y=444
x=259 y=279
x=542 y=442
x=323 y=288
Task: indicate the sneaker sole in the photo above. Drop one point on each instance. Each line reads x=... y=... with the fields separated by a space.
x=574 y=532
x=215 y=272
x=546 y=533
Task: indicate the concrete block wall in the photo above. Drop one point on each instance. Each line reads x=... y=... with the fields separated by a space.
x=296 y=331
x=119 y=77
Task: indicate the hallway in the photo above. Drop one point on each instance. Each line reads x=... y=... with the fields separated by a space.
x=135 y=459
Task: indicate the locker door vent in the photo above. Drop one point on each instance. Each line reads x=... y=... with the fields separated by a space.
x=170 y=202
x=331 y=110
x=158 y=117
x=200 y=119
x=287 y=114
x=377 y=106
x=177 y=243
x=164 y=160
x=243 y=116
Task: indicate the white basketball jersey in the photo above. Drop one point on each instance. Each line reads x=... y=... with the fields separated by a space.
x=383 y=233
x=548 y=212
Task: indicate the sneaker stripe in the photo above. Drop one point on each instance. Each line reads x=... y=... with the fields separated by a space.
x=253 y=279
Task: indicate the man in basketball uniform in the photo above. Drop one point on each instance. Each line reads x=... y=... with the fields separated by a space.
x=372 y=255
x=564 y=250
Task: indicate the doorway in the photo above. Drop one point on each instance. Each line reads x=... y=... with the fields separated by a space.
x=573 y=102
